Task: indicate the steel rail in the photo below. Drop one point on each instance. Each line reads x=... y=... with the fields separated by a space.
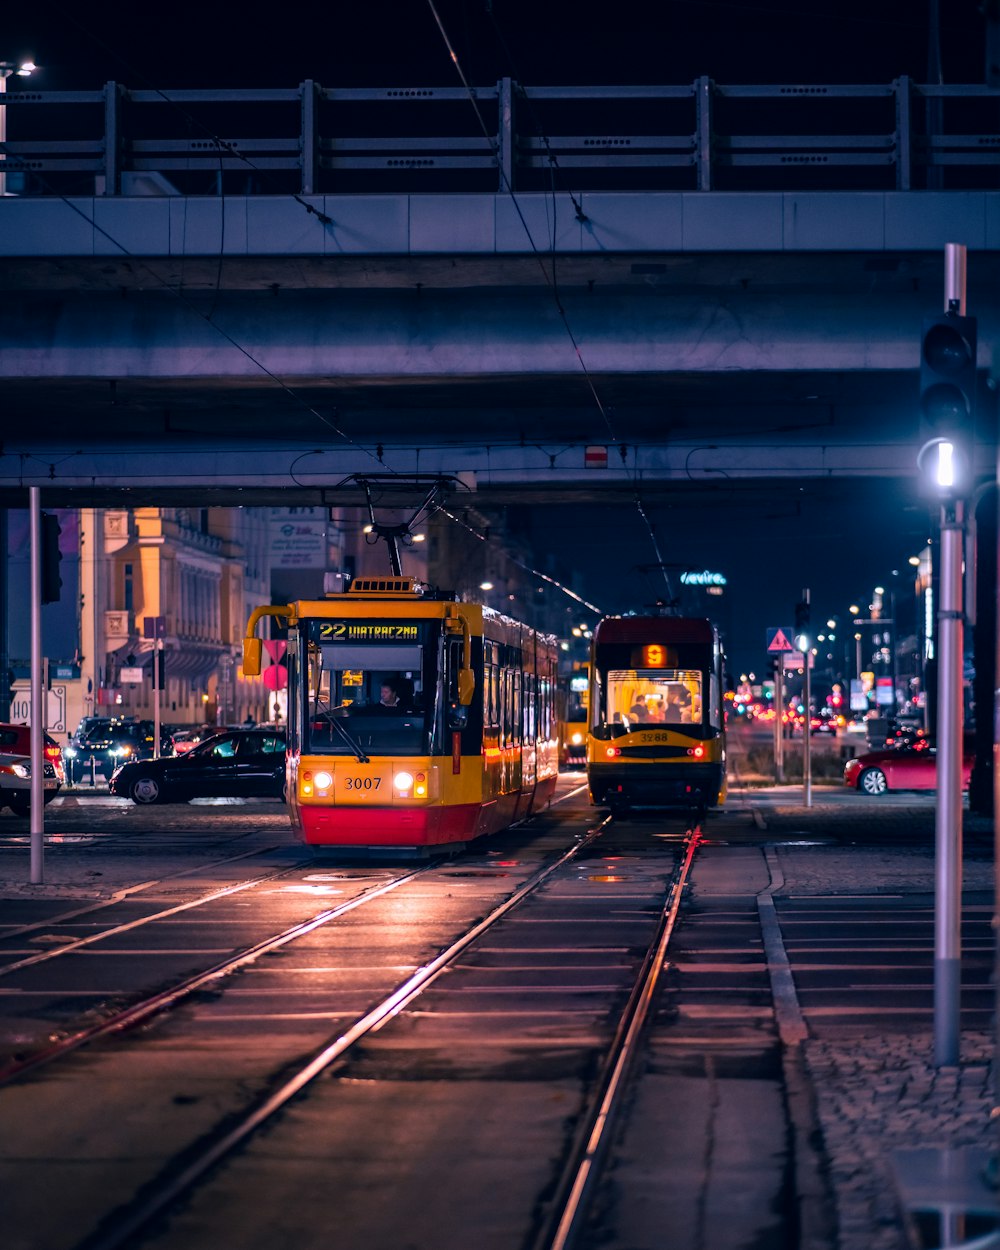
x=573 y=1191
x=70 y=947
x=128 y=1017
x=118 y=895
x=130 y=1222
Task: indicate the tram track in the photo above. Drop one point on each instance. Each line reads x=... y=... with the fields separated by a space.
x=510 y=1050
x=126 y=1224
x=139 y=1012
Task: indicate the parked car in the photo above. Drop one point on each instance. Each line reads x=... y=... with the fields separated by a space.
x=16 y=740
x=183 y=740
x=236 y=763
x=15 y=783
x=108 y=744
x=900 y=768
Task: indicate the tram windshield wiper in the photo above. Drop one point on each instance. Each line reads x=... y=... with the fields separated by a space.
x=353 y=745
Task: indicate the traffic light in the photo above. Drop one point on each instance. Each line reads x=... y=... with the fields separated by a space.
x=948 y=374
x=947 y=401
x=802 y=624
x=51 y=555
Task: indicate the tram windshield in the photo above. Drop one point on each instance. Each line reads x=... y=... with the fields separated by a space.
x=637 y=699
x=371 y=697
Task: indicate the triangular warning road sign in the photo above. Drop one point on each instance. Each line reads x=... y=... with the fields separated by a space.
x=778 y=641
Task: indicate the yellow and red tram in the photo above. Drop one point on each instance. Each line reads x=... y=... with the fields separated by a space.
x=413 y=721
x=657 y=725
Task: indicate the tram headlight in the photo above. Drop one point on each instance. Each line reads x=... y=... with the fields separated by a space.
x=322 y=781
x=576 y=739
x=403 y=783
x=613 y=751
x=420 y=786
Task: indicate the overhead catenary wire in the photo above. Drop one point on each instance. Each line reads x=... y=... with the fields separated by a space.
x=550 y=279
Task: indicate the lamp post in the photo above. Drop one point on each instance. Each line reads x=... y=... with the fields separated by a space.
x=22 y=69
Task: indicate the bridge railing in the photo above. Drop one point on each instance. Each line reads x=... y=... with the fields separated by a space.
x=311 y=139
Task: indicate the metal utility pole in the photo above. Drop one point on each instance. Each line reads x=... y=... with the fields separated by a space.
x=948 y=813
x=37 y=821
x=779 y=722
x=803 y=640
x=157 y=694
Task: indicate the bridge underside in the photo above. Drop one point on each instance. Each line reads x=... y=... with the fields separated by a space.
x=262 y=379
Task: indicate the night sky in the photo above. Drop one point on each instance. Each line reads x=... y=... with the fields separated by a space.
x=540 y=42
x=843 y=547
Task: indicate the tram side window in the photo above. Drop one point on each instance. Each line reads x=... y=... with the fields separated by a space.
x=492 y=682
x=518 y=705
x=530 y=708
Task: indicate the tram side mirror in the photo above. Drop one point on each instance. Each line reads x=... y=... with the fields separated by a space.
x=466 y=686
x=252 y=648
x=458 y=716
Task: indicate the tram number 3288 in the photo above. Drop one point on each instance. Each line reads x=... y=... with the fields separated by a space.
x=362 y=783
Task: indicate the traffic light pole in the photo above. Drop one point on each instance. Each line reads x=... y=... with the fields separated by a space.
x=950 y=717
x=37 y=820
x=948 y=814
x=804 y=643
x=157 y=662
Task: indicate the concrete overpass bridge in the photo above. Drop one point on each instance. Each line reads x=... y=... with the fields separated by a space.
x=239 y=319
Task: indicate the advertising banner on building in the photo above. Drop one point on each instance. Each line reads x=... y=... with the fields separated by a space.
x=298 y=538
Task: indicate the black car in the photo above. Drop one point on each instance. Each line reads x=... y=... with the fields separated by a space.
x=106 y=745
x=247 y=763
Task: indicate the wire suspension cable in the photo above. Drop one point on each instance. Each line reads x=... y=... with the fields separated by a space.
x=550 y=279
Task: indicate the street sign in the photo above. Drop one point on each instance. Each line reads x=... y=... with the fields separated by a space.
x=55 y=706
x=154 y=627
x=779 y=638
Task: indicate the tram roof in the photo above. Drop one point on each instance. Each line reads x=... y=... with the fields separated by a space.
x=654 y=629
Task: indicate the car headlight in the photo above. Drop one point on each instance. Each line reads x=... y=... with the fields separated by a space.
x=70 y=753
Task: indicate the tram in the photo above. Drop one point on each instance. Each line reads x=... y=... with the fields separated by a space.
x=413 y=721
x=572 y=700
x=657 y=724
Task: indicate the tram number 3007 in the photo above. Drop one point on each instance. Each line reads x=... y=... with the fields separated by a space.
x=362 y=783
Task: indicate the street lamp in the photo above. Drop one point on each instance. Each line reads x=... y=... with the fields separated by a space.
x=6 y=69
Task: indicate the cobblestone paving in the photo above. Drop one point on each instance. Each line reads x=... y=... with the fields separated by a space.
x=876 y=1095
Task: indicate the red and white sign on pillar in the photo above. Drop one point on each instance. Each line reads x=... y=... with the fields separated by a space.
x=275 y=676
x=595 y=457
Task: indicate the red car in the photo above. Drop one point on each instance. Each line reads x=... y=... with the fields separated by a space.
x=899 y=768
x=16 y=740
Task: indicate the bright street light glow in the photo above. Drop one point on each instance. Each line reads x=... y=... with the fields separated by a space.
x=945 y=475
x=485 y=585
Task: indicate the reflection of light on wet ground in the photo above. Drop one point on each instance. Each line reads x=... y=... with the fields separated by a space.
x=306 y=889
x=220 y=802
x=608 y=877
